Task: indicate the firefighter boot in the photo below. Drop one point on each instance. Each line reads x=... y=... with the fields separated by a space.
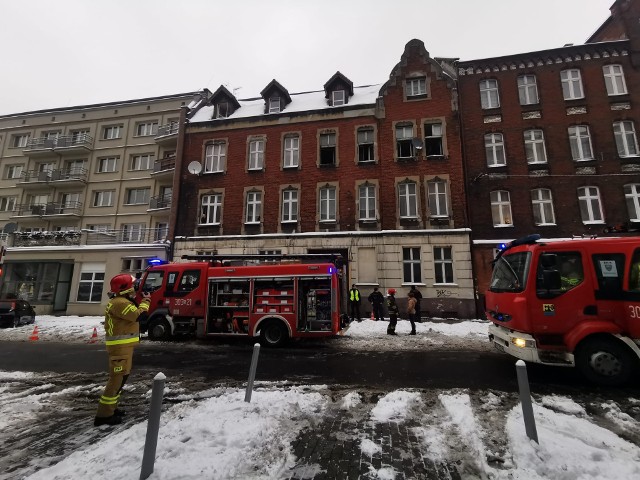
x=112 y=420
x=119 y=412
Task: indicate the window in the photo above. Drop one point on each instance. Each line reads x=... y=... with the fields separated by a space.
x=70 y=200
x=289 y=205
x=489 y=94
x=142 y=162
x=411 y=265
x=14 y=171
x=138 y=196
x=20 y=141
x=614 y=80
x=327 y=149
x=367 y=202
x=146 y=129
x=534 y=146
x=416 y=86
x=90 y=286
x=407 y=200
x=632 y=196
x=433 y=140
x=256 y=154
x=291 y=151
x=527 y=90
x=590 y=205
x=571 y=84
x=365 y=145
x=107 y=164
x=274 y=105
x=133 y=232
x=102 y=227
x=328 y=204
x=215 y=156
x=437 y=192
x=542 y=202
x=494 y=149
x=443 y=264
x=254 y=207
x=580 y=141
x=103 y=199
x=501 y=208
x=626 y=141
x=404 y=141
x=80 y=136
x=338 y=98
x=211 y=209
x=222 y=110
x=7 y=204
x=109 y=133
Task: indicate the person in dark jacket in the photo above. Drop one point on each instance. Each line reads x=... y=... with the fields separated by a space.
x=354 y=303
x=418 y=296
x=376 y=299
x=411 y=312
x=122 y=334
x=393 y=311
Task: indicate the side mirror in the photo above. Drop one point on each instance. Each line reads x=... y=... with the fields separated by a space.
x=551 y=280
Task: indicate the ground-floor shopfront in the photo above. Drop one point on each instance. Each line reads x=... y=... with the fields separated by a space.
x=438 y=262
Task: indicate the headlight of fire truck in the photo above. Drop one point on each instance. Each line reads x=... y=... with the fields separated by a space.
x=523 y=343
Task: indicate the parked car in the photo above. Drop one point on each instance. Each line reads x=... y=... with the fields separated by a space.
x=15 y=312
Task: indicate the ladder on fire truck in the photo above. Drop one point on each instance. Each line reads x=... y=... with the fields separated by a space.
x=259 y=258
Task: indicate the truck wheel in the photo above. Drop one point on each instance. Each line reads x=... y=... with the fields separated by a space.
x=605 y=361
x=273 y=334
x=159 y=329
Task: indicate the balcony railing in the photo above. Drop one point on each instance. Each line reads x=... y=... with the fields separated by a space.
x=166 y=163
x=81 y=140
x=161 y=201
x=75 y=174
x=91 y=237
x=168 y=129
x=47 y=209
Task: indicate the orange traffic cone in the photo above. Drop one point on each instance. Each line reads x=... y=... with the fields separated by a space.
x=94 y=336
x=34 y=334
x=372 y=317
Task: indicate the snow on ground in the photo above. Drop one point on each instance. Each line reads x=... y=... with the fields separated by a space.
x=215 y=434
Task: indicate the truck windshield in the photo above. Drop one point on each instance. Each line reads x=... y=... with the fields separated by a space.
x=510 y=272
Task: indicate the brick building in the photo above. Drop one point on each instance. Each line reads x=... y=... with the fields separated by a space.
x=372 y=172
x=550 y=139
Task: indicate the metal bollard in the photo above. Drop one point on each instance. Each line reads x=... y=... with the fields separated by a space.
x=153 y=427
x=252 y=372
x=525 y=400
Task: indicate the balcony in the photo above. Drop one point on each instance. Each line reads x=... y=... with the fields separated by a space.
x=164 y=167
x=159 y=205
x=130 y=235
x=167 y=133
x=72 y=177
x=48 y=239
x=64 y=144
x=73 y=209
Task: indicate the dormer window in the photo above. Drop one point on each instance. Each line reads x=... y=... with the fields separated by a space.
x=416 y=87
x=274 y=105
x=338 y=98
x=222 y=110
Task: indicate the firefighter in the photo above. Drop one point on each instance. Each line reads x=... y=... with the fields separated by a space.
x=393 y=311
x=122 y=334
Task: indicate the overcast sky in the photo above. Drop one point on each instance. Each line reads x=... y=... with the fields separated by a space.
x=75 y=52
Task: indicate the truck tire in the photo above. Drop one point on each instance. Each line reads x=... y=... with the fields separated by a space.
x=159 y=329
x=605 y=361
x=273 y=334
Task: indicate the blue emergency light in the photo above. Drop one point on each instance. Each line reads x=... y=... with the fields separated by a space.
x=156 y=261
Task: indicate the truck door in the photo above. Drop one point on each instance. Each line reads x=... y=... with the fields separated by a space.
x=557 y=310
x=188 y=297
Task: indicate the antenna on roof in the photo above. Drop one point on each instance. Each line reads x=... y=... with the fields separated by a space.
x=235 y=90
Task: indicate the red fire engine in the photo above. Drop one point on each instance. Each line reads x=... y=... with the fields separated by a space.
x=275 y=297
x=570 y=303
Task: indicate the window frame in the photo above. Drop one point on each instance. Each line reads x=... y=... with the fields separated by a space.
x=535 y=147
x=135 y=192
x=338 y=98
x=501 y=208
x=632 y=200
x=615 y=82
x=147 y=129
x=416 y=87
x=577 y=143
x=14 y=171
x=112 y=132
x=431 y=139
x=489 y=93
x=443 y=265
x=399 y=131
x=256 y=156
x=253 y=207
x=100 y=196
x=527 y=90
x=139 y=160
x=8 y=203
x=367 y=202
x=20 y=140
x=327 y=204
x=291 y=153
x=101 y=162
x=571 y=81
x=290 y=211
x=366 y=147
x=493 y=146
x=328 y=149
x=543 y=207
x=211 y=209
x=626 y=140
x=411 y=265
x=215 y=157
x=590 y=197
x=437 y=198
x=275 y=105
x=94 y=283
x=407 y=200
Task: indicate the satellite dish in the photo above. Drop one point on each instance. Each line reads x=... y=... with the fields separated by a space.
x=10 y=228
x=195 y=167
x=417 y=143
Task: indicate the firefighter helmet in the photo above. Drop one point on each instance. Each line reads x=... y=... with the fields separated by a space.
x=391 y=291
x=121 y=282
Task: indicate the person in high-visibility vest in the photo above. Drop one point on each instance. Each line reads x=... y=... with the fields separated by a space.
x=122 y=334
x=354 y=303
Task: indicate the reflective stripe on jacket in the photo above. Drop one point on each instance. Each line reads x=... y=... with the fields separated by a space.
x=121 y=320
x=354 y=295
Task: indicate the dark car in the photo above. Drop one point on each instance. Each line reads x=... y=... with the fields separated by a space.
x=14 y=312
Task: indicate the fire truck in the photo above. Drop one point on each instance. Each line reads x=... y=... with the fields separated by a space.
x=569 y=303
x=273 y=297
